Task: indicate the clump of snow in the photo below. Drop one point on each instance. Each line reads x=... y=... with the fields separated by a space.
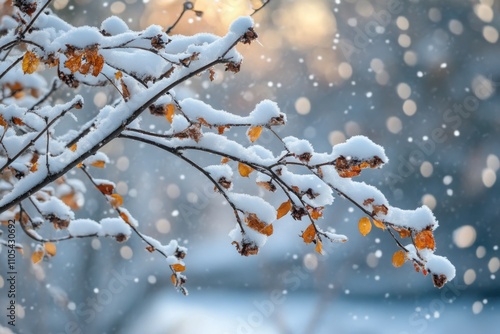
x=83 y=227
x=440 y=265
x=113 y=25
x=359 y=147
x=241 y=25
x=253 y=204
x=114 y=227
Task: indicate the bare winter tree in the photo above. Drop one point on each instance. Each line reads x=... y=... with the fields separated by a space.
x=143 y=68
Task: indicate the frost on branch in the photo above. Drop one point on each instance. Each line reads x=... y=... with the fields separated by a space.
x=140 y=70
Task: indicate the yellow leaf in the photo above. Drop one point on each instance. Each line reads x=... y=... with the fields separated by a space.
x=170 y=112
x=50 y=248
x=244 y=170
x=37 y=256
x=364 y=226
x=118 y=75
x=424 y=239
x=173 y=278
x=115 y=200
x=178 y=267
x=70 y=200
x=284 y=208
x=309 y=234
x=99 y=163
x=254 y=133
x=30 y=62
x=73 y=147
x=398 y=258
x=319 y=247
x=404 y=233
x=379 y=224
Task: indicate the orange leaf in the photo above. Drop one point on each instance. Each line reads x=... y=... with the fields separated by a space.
x=116 y=200
x=204 y=122
x=398 y=258
x=3 y=122
x=316 y=213
x=224 y=160
x=73 y=63
x=319 y=247
x=34 y=167
x=170 y=112
x=254 y=133
x=73 y=147
x=37 y=256
x=244 y=170
x=379 y=224
x=221 y=129
x=50 y=248
x=268 y=230
x=99 y=163
x=125 y=217
x=173 y=278
x=284 y=208
x=30 y=62
x=70 y=200
x=178 y=267
x=118 y=75
x=404 y=233
x=309 y=234
x=424 y=239
x=150 y=248
x=98 y=65
x=106 y=188
x=364 y=226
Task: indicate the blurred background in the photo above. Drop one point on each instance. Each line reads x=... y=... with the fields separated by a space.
x=417 y=77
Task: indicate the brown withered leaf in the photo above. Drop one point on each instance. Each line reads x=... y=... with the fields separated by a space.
x=224 y=182
x=269 y=186
x=253 y=221
x=439 y=280
x=298 y=212
x=125 y=91
x=246 y=248
x=150 y=248
x=106 y=188
x=211 y=74
x=233 y=67
x=249 y=36
x=379 y=209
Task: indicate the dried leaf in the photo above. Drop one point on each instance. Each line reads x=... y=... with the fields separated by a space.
x=283 y=209
x=425 y=239
x=170 y=112
x=309 y=234
x=379 y=224
x=106 y=188
x=3 y=122
x=37 y=256
x=125 y=217
x=404 y=233
x=150 y=248
x=70 y=200
x=74 y=62
x=17 y=121
x=30 y=62
x=115 y=200
x=254 y=132
x=203 y=122
x=364 y=226
x=118 y=75
x=73 y=147
x=212 y=74
x=316 y=213
x=178 y=267
x=244 y=170
x=398 y=258
x=50 y=248
x=173 y=278
x=98 y=164
x=269 y=186
x=253 y=221
x=125 y=91
x=319 y=247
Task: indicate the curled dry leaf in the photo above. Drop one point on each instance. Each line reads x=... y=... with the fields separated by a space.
x=379 y=224
x=253 y=221
x=319 y=247
x=115 y=200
